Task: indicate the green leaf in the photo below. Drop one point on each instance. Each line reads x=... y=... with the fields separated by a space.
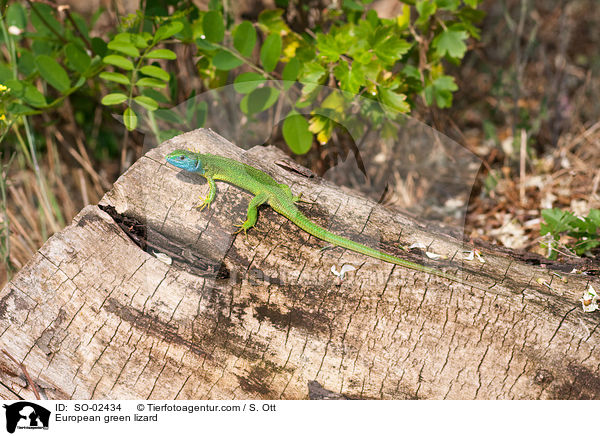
x=99 y=46
x=115 y=98
x=124 y=47
x=154 y=71
x=139 y=40
x=440 y=91
x=130 y=119
x=6 y=73
x=42 y=46
x=270 y=52
x=169 y=115
x=146 y=102
x=402 y=20
x=115 y=77
x=15 y=16
x=155 y=95
x=352 y=5
x=259 y=100
x=468 y=18
x=425 y=8
x=151 y=82
x=244 y=38
x=449 y=5
x=312 y=72
x=213 y=26
x=46 y=25
x=291 y=70
x=391 y=48
x=201 y=110
x=226 y=61
x=351 y=79
x=451 y=42
x=161 y=53
x=165 y=135
x=118 y=61
x=296 y=134
x=78 y=59
x=26 y=63
x=53 y=73
x=557 y=221
x=412 y=72
x=270 y=20
x=394 y=100
x=290 y=73
x=247 y=82
x=34 y=97
x=328 y=47
x=594 y=217
x=17 y=109
x=167 y=30
x=17 y=87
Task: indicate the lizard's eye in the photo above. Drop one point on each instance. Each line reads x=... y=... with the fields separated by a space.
x=181 y=157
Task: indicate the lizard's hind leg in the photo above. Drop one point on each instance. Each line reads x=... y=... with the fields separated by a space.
x=294 y=198
x=252 y=214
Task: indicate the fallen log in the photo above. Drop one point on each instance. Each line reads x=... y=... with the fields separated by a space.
x=145 y=296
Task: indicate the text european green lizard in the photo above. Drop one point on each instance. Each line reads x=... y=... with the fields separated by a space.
x=279 y=196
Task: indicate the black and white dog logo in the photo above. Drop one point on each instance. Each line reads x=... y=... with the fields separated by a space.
x=26 y=415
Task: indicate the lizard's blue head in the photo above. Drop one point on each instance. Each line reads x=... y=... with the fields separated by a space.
x=186 y=160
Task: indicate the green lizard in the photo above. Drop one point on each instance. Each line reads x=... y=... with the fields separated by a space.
x=279 y=196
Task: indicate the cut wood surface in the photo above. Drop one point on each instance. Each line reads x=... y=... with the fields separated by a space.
x=96 y=314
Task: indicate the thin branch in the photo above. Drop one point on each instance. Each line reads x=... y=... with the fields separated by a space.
x=24 y=369
x=43 y=20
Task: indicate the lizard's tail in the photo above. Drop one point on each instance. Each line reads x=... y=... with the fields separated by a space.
x=314 y=229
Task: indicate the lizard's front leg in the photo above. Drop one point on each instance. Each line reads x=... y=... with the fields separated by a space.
x=212 y=190
x=252 y=214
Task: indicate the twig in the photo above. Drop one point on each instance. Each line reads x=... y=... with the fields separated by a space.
x=123 y=160
x=594 y=186
x=67 y=10
x=583 y=135
x=523 y=157
x=24 y=369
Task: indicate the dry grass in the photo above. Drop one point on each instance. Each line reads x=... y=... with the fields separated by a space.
x=69 y=187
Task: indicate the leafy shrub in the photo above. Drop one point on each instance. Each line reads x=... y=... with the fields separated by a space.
x=582 y=231
x=390 y=62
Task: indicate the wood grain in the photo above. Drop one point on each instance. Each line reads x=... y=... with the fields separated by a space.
x=96 y=314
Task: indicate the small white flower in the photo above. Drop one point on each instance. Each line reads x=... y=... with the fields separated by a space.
x=589 y=300
x=14 y=30
x=431 y=255
x=345 y=268
x=417 y=245
x=470 y=255
x=202 y=36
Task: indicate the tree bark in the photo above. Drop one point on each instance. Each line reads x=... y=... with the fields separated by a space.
x=96 y=314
